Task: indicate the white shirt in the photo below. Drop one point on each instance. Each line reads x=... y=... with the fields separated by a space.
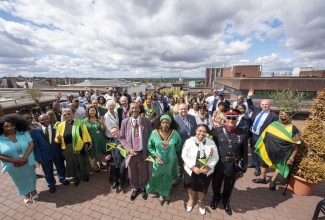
x=50 y=132
x=140 y=134
x=210 y=101
x=261 y=122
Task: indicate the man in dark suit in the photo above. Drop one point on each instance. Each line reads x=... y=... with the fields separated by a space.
x=261 y=117
x=48 y=152
x=123 y=111
x=134 y=135
x=162 y=106
x=187 y=125
x=100 y=111
x=221 y=98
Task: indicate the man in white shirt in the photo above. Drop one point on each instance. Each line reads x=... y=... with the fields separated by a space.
x=210 y=100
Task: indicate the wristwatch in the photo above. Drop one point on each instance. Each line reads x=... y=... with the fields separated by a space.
x=292 y=159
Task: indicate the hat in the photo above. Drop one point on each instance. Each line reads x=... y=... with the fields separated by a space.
x=221 y=93
x=75 y=100
x=232 y=112
x=110 y=88
x=287 y=110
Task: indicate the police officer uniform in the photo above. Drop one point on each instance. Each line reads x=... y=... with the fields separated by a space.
x=226 y=170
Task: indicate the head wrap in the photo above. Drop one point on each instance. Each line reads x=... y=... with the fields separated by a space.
x=287 y=110
x=167 y=117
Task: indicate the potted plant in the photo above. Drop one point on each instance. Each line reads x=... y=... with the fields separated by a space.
x=309 y=166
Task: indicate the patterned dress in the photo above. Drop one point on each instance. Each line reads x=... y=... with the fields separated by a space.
x=164 y=174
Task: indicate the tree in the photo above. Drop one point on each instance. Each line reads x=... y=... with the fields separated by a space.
x=35 y=94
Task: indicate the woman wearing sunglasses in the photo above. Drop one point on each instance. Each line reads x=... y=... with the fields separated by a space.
x=231 y=142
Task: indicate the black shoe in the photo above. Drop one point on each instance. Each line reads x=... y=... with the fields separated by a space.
x=76 y=181
x=65 y=182
x=251 y=166
x=144 y=194
x=52 y=189
x=86 y=178
x=102 y=167
x=259 y=180
x=257 y=171
x=39 y=176
x=272 y=186
x=119 y=188
x=97 y=169
x=228 y=209
x=113 y=185
x=134 y=194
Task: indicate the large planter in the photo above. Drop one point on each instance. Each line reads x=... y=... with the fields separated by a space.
x=301 y=186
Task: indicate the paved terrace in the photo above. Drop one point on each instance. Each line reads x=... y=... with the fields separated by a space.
x=95 y=200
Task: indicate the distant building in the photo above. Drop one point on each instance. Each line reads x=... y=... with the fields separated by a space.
x=296 y=71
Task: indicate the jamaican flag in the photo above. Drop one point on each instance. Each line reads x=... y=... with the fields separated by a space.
x=275 y=145
x=113 y=146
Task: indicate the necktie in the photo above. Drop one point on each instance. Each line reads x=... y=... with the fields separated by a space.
x=136 y=135
x=47 y=135
x=257 y=121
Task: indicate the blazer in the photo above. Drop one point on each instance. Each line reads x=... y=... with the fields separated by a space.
x=189 y=154
x=43 y=150
x=182 y=128
x=256 y=110
x=126 y=135
x=165 y=109
x=119 y=113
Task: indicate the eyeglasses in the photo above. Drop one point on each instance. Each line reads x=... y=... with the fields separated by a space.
x=231 y=118
x=66 y=114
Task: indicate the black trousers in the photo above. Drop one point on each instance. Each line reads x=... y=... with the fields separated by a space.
x=228 y=183
x=117 y=174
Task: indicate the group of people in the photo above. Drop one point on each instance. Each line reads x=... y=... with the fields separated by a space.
x=206 y=141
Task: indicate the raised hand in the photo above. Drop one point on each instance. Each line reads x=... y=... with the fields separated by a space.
x=250 y=93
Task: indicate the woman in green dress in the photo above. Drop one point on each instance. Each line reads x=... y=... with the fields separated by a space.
x=96 y=128
x=163 y=144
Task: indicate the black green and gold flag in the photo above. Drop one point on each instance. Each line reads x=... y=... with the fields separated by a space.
x=274 y=146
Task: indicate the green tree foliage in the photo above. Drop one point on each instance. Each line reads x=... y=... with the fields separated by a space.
x=35 y=94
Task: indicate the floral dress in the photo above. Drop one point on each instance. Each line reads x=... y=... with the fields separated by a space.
x=218 y=119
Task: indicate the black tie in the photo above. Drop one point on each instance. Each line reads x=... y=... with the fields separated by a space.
x=47 y=135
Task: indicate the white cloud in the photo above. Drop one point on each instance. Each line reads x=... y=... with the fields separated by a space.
x=152 y=38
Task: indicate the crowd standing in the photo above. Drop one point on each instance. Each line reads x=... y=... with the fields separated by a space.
x=194 y=140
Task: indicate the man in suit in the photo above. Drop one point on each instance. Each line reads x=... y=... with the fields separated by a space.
x=187 y=125
x=240 y=102
x=261 y=117
x=48 y=152
x=134 y=135
x=100 y=111
x=162 y=106
x=123 y=111
x=221 y=98
x=210 y=100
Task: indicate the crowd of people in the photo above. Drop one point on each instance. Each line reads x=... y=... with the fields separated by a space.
x=194 y=140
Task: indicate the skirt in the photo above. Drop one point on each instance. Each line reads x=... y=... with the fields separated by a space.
x=197 y=183
x=24 y=178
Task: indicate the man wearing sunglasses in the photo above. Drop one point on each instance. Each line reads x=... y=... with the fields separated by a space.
x=232 y=144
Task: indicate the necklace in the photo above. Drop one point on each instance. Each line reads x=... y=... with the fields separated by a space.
x=165 y=140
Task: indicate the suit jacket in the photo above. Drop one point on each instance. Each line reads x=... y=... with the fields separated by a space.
x=215 y=104
x=256 y=110
x=119 y=113
x=126 y=135
x=182 y=127
x=165 y=109
x=43 y=150
x=101 y=111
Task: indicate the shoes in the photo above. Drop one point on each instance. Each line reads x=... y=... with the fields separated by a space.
x=161 y=200
x=76 y=182
x=259 y=180
x=113 y=185
x=144 y=194
x=228 y=209
x=134 y=194
x=257 y=171
x=35 y=198
x=202 y=210
x=174 y=183
x=251 y=166
x=119 y=188
x=97 y=169
x=189 y=208
x=167 y=200
x=86 y=178
x=272 y=186
x=102 y=167
x=65 y=182
x=28 y=201
x=52 y=189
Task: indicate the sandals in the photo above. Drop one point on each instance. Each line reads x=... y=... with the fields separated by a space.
x=97 y=169
x=28 y=201
x=161 y=200
x=35 y=198
x=102 y=167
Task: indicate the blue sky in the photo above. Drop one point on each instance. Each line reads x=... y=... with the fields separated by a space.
x=113 y=39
